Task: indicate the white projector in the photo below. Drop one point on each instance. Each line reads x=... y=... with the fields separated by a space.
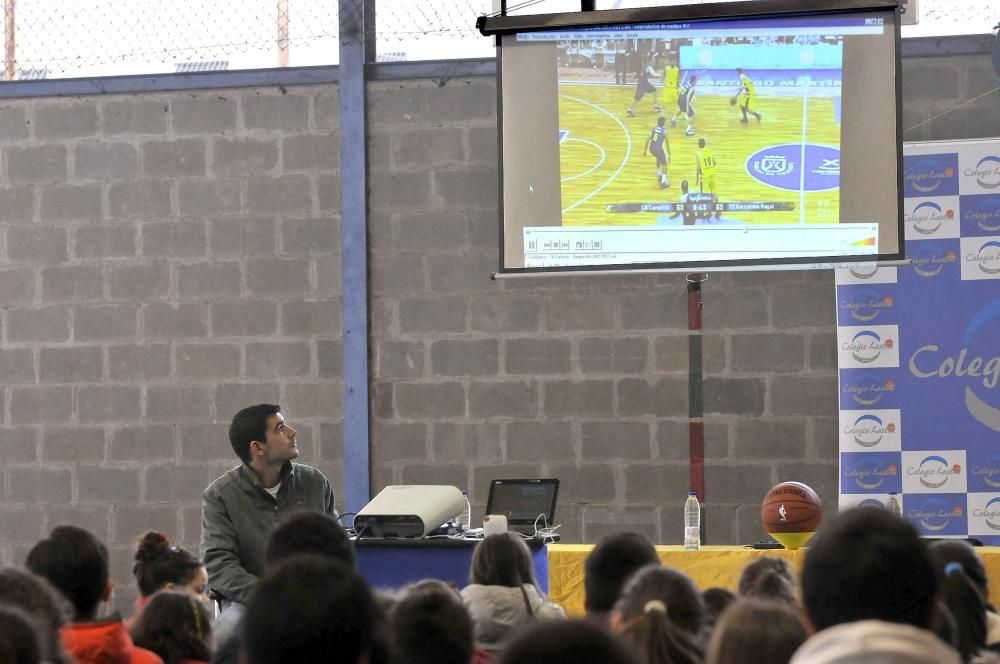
x=408 y=511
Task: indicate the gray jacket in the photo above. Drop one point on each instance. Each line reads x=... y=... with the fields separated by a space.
x=237 y=516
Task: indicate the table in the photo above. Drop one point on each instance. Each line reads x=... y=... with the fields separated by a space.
x=708 y=567
x=393 y=563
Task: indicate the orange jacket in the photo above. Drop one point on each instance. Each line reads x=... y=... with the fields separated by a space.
x=104 y=642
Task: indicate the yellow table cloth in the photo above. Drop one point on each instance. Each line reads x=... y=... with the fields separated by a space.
x=711 y=566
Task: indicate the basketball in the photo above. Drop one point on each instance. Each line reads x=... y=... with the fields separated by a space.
x=790 y=513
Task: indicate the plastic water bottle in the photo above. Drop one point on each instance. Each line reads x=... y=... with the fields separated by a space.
x=465 y=518
x=893 y=505
x=692 y=522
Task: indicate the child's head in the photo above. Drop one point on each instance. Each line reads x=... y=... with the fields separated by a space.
x=76 y=564
x=176 y=626
x=159 y=564
x=502 y=560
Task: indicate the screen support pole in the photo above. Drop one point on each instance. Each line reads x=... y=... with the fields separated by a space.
x=696 y=411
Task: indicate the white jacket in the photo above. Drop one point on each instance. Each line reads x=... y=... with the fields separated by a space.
x=496 y=610
x=874 y=642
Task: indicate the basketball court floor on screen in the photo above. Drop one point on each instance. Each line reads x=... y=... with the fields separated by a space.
x=602 y=162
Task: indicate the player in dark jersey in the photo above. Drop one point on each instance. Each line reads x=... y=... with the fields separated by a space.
x=643 y=87
x=658 y=144
x=685 y=104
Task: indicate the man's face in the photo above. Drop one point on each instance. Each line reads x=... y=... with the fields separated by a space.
x=279 y=441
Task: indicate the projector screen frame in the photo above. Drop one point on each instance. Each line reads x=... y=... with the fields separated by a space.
x=506 y=25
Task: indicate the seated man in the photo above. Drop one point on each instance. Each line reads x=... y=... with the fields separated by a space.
x=240 y=508
x=613 y=560
x=869 y=591
x=76 y=564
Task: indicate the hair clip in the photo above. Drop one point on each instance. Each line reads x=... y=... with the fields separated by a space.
x=952 y=568
x=161 y=537
x=655 y=605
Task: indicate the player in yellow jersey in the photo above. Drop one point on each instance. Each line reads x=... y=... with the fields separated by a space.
x=747 y=96
x=705 y=175
x=671 y=86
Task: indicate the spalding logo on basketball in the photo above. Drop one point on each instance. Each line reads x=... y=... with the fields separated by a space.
x=790 y=513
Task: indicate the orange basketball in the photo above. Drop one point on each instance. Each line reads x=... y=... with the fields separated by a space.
x=791 y=507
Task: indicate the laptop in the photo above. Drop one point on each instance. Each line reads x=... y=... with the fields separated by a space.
x=522 y=501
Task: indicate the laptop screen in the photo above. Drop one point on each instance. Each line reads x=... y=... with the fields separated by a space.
x=521 y=501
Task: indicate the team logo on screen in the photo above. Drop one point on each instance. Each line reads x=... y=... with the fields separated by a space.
x=977 y=363
x=928 y=216
x=986 y=172
x=865 y=305
x=929 y=259
x=926 y=175
x=990 y=513
x=989 y=471
x=871 y=502
x=934 y=471
x=795 y=167
x=863 y=272
x=868 y=389
x=867 y=345
x=986 y=214
x=987 y=257
x=870 y=475
x=935 y=514
x=869 y=429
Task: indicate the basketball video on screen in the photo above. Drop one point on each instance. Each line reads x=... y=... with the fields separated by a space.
x=698 y=131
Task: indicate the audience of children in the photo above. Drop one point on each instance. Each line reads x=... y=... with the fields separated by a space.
x=871 y=591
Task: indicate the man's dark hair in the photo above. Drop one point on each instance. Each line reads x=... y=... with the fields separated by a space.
x=20 y=641
x=248 y=425
x=430 y=625
x=566 y=642
x=612 y=561
x=76 y=564
x=868 y=564
x=310 y=610
x=309 y=532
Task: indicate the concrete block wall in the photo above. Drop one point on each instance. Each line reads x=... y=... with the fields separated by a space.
x=165 y=259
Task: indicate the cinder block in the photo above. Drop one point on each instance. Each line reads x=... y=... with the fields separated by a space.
x=170 y=239
x=308 y=236
x=328 y=193
x=17 y=286
x=105 y=161
x=244 y=156
x=244 y=318
x=482 y=145
x=134 y=117
x=277 y=276
x=461 y=357
x=736 y=309
x=203 y=114
x=38 y=404
x=19 y=444
x=431 y=401
x=97 y=484
x=285 y=112
x=17 y=365
x=537 y=356
x=476 y=442
x=331 y=442
x=166 y=321
x=131 y=522
x=615 y=440
x=804 y=395
x=143 y=443
x=673 y=440
x=36 y=244
x=93 y=518
x=144 y=281
x=311 y=152
x=182 y=157
x=419 y=232
x=108 y=403
x=178 y=403
x=467 y=189
x=585 y=398
x=72 y=444
x=109 y=241
x=624 y=355
x=770 y=438
x=504 y=313
x=654 y=310
x=242 y=237
x=139 y=362
x=37 y=164
x=394 y=441
x=469 y=272
x=232 y=397
x=206 y=441
x=202 y=198
x=588 y=483
x=483 y=228
x=822 y=352
x=139 y=199
x=191 y=527
x=315 y=399
x=743 y=482
x=435 y=473
x=396 y=274
x=117 y=322
x=736 y=396
x=463 y=102
x=77 y=283
x=539 y=441
x=429 y=148
x=72 y=120
x=17 y=205
x=13 y=123
x=657 y=484
x=328 y=273
x=765 y=353
x=69 y=202
x=399 y=359
x=330 y=357
x=326 y=108
x=404 y=191
x=20 y=525
x=603 y=521
x=311 y=318
x=84 y=364
x=216 y=279
x=285 y=194
x=207 y=361
x=432 y=314
x=278 y=360
x=516 y=399
x=823 y=438
x=47 y=324
x=397 y=104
